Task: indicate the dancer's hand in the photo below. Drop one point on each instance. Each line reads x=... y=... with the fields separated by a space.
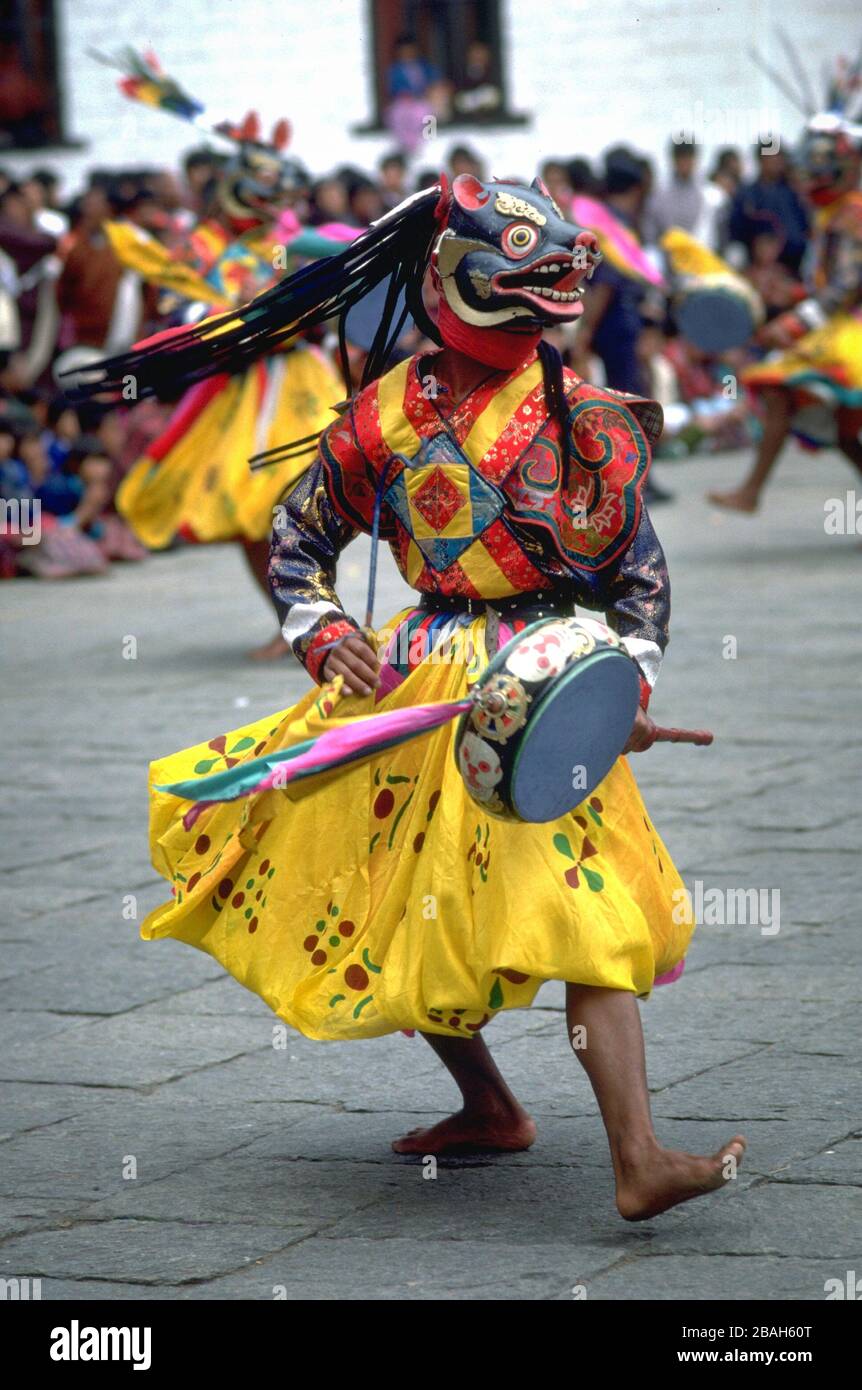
x=357 y=662
x=642 y=735
x=780 y=332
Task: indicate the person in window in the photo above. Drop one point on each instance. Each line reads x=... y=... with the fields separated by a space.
x=416 y=91
x=478 y=93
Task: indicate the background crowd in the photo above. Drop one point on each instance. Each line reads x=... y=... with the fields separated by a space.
x=66 y=299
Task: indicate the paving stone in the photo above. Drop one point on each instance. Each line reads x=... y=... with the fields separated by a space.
x=149 y=1252
x=681 y=1277
x=801 y=1221
x=407 y=1269
x=125 y=1051
x=125 y=1142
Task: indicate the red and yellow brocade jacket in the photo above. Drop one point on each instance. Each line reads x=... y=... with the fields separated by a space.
x=472 y=503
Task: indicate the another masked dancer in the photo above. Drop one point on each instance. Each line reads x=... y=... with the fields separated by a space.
x=193 y=481
x=385 y=898
x=813 y=389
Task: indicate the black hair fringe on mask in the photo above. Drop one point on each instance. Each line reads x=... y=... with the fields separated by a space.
x=554 y=385
x=397 y=246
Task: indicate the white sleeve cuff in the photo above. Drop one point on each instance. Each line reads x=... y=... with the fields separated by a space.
x=648 y=656
x=304 y=616
x=811 y=314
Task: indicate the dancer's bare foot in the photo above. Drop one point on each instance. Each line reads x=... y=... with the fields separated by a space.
x=472 y=1131
x=651 y=1179
x=740 y=500
x=271 y=651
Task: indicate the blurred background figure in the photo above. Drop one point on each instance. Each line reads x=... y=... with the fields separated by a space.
x=417 y=90
x=771 y=203
x=66 y=299
x=679 y=200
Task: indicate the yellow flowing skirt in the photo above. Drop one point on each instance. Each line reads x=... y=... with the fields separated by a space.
x=824 y=372
x=195 y=480
x=381 y=897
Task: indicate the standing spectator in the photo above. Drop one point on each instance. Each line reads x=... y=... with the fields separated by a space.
x=91 y=275
x=581 y=177
x=680 y=201
x=611 y=322
x=718 y=194
x=200 y=168
x=771 y=204
x=41 y=190
x=29 y=267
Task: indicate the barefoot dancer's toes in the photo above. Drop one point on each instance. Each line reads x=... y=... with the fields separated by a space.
x=663 y=1178
x=508 y=1132
x=734 y=501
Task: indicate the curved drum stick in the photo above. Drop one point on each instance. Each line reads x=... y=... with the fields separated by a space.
x=702 y=737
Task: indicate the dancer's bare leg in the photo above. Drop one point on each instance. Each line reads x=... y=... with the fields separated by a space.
x=257 y=558
x=776 y=427
x=491 y=1117
x=649 y=1178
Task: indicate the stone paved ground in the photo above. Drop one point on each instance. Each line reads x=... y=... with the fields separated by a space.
x=259 y=1169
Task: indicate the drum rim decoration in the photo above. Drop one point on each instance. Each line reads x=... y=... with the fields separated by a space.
x=498 y=662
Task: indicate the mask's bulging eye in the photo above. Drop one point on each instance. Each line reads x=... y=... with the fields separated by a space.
x=519 y=239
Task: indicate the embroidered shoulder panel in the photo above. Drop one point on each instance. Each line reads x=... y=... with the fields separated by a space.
x=593 y=522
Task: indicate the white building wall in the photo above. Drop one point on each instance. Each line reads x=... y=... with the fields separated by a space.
x=588 y=75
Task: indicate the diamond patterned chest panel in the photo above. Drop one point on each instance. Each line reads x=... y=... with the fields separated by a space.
x=443 y=504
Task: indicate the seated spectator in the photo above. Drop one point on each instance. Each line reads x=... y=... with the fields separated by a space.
x=462 y=160
x=41 y=543
x=771 y=204
x=364 y=202
x=777 y=287
x=61 y=431
x=328 y=201
x=425 y=178
x=581 y=177
x=555 y=176
x=393 y=179
x=699 y=414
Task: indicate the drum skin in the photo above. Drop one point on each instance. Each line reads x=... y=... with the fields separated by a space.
x=552 y=714
x=717 y=313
